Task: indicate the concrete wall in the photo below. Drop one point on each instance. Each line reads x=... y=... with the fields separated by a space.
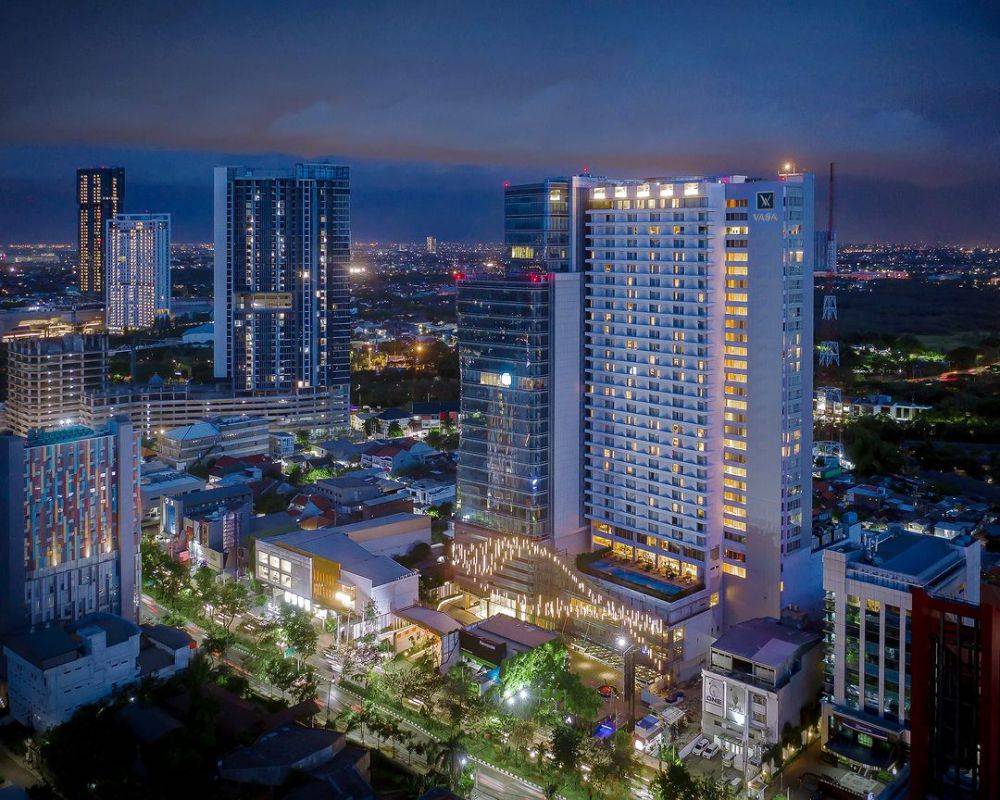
x=566 y=390
x=42 y=699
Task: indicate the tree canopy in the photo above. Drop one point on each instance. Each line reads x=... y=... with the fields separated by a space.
x=541 y=679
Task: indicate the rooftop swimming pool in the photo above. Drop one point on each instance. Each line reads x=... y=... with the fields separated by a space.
x=655 y=582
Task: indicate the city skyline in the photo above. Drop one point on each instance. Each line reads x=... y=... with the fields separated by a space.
x=914 y=137
x=567 y=400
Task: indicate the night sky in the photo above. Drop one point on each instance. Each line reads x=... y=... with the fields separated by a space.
x=434 y=105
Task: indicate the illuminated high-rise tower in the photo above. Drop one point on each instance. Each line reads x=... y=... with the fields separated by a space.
x=699 y=420
x=693 y=363
x=137 y=266
x=282 y=246
x=521 y=355
x=69 y=524
x=100 y=194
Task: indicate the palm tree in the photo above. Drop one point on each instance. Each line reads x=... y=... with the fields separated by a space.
x=198 y=672
x=350 y=720
x=446 y=760
x=674 y=784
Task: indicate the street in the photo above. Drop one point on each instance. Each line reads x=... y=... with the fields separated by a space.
x=491 y=783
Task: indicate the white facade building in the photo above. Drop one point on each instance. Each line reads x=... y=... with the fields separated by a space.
x=234 y=436
x=324 y=571
x=391 y=535
x=761 y=674
x=868 y=587
x=157 y=406
x=429 y=492
x=698 y=358
x=137 y=261
x=828 y=404
x=55 y=671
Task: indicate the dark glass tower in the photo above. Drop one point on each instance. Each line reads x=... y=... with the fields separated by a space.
x=543 y=224
x=282 y=246
x=503 y=472
x=520 y=351
x=100 y=194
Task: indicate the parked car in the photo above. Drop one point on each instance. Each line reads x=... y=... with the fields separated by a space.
x=728 y=757
x=711 y=751
x=700 y=746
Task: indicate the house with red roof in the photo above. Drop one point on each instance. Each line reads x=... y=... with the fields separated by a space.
x=396 y=454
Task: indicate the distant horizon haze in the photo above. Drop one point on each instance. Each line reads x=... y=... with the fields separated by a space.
x=435 y=104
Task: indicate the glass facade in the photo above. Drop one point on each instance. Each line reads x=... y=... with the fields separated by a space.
x=873 y=650
x=953 y=751
x=503 y=472
x=537 y=225
x=890 y=698
x=852 y=651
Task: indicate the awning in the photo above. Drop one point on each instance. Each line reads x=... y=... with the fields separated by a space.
x=867 y=724
x=860 y=727
x=436 y=622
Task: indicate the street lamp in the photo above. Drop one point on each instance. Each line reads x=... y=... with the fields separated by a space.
x=628 y=649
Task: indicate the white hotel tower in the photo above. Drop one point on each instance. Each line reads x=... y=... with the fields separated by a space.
x=699 y=373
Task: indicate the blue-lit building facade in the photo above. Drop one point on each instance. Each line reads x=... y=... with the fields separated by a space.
x=544 y=224
x=520 y=352
x=504 y=349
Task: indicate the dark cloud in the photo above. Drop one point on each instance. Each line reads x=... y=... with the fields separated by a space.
x=432 y=101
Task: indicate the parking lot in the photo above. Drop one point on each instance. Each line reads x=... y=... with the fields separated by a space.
x=714 y=768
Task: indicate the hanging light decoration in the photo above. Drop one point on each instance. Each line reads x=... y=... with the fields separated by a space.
x=480 y=560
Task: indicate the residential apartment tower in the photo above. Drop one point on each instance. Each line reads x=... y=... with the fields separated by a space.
x=100 y=195
x=282 y=246
x=137 y=265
